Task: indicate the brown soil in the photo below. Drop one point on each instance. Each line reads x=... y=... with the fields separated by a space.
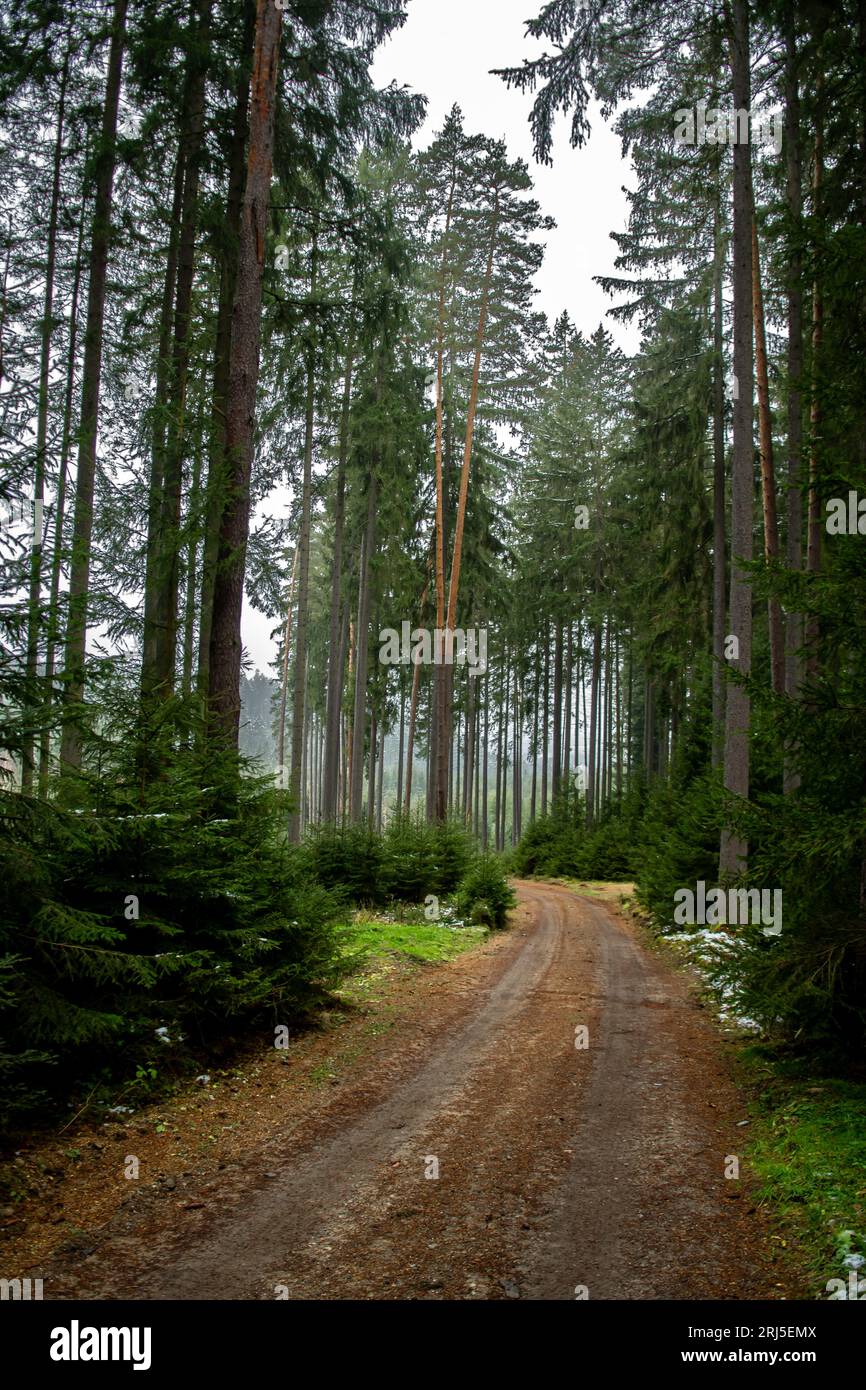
x=311 y=1174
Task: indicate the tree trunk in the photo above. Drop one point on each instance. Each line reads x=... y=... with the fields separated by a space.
x=485 y=760
x=517 y=763
x=362 y=645
x=161 y=677
x=192 y=553
x=410 y=738
x=557 y=711
x=592 y=761
x=402 y=744
x=794 y=191
x=439 y=674
x=217 y=478
x=544 y=722
x=336 y=659
x=719 y=481
x=815 y=518
x=284 y=683
x=300 y=675
x=768 y=474
x=53 y=634
x=733 y=849
x=35 y=588
x=225 y=639
x=457 y=555
x=91 y=379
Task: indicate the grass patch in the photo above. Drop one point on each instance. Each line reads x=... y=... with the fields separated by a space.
x=427 y=941
x=808 y=1150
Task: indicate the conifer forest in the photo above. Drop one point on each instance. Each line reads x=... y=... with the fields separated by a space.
x=432 y=540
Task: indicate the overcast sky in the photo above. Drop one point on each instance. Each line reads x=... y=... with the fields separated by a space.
x=446 y=49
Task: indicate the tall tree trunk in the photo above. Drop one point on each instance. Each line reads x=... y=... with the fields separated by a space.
x=719 y=480
x=225 y=640
x=733 y=851
x=815 y=518
x=91 y=379
x=535 y=733
x=457 y=555
x=557 y=710
x=544 y=721
x=362 y=645
x=300 y=677
x=190 y=566
x=402 y=744
x=170 y=540
x=381 y=775
x=794 y=193
x=228 y=265
x=592 y=761
x=439 y=675
x=517 y=762
x=768 y=474
x=500 y=726
x=469 y=760
x=371 y=778
x=569 y=676
x=485 y=760
x=336 y=665
x=34 y=606
x=284 y=682
x=410 y=738
x=53 y=633
x=159 y=438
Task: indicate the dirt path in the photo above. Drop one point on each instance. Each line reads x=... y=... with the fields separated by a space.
x=557 y=1167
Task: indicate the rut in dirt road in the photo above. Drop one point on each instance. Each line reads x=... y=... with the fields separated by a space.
x=559 y=1169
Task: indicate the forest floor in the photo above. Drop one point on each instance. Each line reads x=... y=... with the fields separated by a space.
x=563 y=1171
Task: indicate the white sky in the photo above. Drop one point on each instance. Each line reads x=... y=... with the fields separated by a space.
x=446 y=49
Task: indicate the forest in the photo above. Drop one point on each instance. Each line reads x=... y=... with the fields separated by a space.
x=541 y=609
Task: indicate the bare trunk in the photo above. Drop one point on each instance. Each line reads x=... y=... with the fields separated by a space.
x=794 y=625
x=457 y=555
x=300 y=675
x=336 y=657
x=217 y=478
x=768 y=474
x=733 y=849
x=225 y=640
x=362 y=643
x=60 y=517
x=284 y=683
x=79 y=578
x=719 y=480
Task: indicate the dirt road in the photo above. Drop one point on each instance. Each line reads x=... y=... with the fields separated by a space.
x=493 y=1158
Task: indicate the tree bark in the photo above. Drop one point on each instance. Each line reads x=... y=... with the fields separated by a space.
x=225 y=637
x=300 y=675
x=53 y=633
x=768 y=473
x=719 y=483
x=228 y=264
x=336 y=653
x=794 y=194
x=91 y=380
x=34 y=606
x=460 y=523
x=733 y=852
x=362 y=644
